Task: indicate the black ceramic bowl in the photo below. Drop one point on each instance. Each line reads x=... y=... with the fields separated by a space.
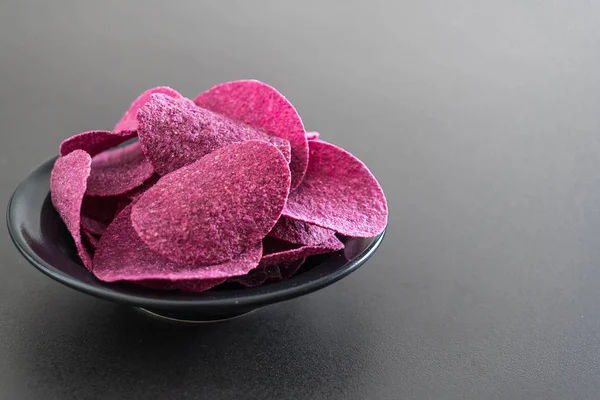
x=40 y=235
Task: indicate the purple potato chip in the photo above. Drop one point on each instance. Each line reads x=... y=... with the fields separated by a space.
x=123 y=203
x=258 y=276
x=209 y=211
x=93 y=225
x=68 y=183
x=192 y=285
x=100 y=208
x=260 y=105
x=122 y=256
x=118 y=171
x=339 y=193
x=290 y=269
x=91 y=238
x=276 y=252
x=298 y=232
x=312 y=135
x=94 y=142
x=272 y=273
x=129 y=121
x=134 y=194
x=175 y=132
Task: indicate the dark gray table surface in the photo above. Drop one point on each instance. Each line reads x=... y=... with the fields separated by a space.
x=481 y=121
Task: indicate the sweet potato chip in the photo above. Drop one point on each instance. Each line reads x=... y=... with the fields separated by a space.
x=175 y=132
x=68 y=183
x=338 y=193
x=260 y=105
x=277 y=252
x=122 y=256
x=210 y=210
x=94 y=142
x=129 y=120
x=118 y=171
x=298 y=232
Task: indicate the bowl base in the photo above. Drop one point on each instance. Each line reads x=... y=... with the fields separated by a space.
x=184 y=317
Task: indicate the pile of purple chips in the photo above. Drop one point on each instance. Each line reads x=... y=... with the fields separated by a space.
x=186 y=195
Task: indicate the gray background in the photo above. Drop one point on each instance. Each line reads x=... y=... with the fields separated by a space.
x=479 y=118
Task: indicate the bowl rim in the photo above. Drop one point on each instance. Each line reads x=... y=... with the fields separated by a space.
x=239 y=301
